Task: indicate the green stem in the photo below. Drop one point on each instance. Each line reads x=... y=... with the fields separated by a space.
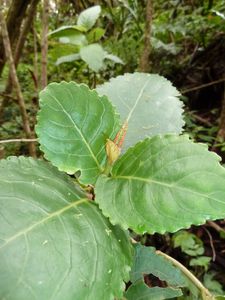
x=108 y=168
x=206 y=295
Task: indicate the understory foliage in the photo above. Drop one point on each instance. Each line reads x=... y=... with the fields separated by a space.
x=131 y=171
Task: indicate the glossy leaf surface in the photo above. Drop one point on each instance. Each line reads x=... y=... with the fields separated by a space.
x=54 y=243
x=73 y=126
x=163 y=184
x=148 y=102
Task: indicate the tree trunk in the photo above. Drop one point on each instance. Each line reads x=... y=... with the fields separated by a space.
x=44 y=44
x=144 y=64
x=14 y=19
x=16 y=85
x=19 y=48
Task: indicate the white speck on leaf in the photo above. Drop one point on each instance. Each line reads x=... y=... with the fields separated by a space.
x=78 y=216
x=108 y=231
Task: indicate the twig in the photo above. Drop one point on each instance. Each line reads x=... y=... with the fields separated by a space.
x=31 y=11
x=8 y=96
x=44 y=44
x=35 y=61
x=18 y=141
x=16 y=85
x=204 y=291
x=199 y=118
x=202 y=86
x=216 y=226
x=211 y=244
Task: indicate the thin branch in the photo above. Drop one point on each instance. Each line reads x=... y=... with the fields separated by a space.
x=216 y=226
x=19 y=48
x=14 y=18
x=8 y=96
x=202 y=120
x=16 y=85
x=18 y=141
x=202 y=86
x=44 y=44
x=35 y=61
x=211 y=244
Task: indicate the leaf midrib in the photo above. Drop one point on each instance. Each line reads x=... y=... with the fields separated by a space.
x=50 y=216
x=137 y=101
x=166 y=185
x=80 y=133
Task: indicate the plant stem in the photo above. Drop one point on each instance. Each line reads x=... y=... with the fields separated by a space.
x=18 y=51
x=18 y=141
x=216 y=226
x=108 y=168
x=202 y=86
x=206 y=295
x=44 y=44
x=144 y=65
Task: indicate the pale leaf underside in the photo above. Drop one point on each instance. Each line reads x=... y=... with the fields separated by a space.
x=89 y=16
x=148 y=102
x=93 y=55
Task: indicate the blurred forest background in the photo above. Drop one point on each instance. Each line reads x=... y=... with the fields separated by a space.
x=183 y=40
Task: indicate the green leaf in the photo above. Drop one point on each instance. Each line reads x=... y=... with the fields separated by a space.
x=54 y=243
x=89 y=16
x=148 y=262
x=66 y=31
x=213 y=285
x=140 y=291
x=114 y=58
x=67 y=58
x=94 y=56
x=202 y=261
x=59 y=50
x=73 y=126
x=95 y=34
x=75 y=39
x=163 y=184
x=148 y=102
x=189 y=243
